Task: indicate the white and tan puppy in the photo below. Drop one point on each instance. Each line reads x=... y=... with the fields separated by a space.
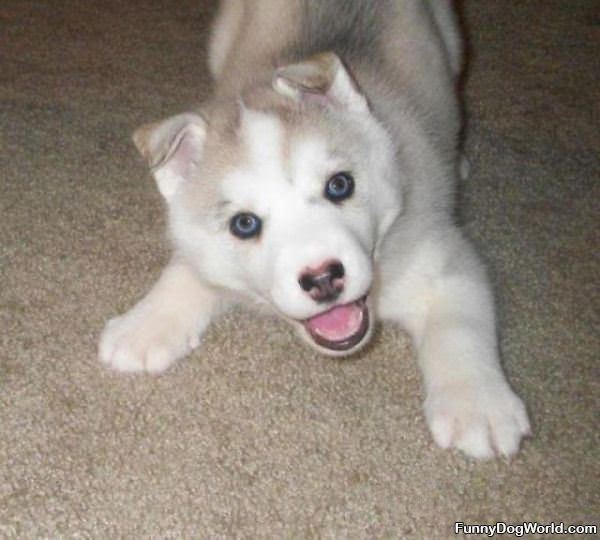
x=318 y=182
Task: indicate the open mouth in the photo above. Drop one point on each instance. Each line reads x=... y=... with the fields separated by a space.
x=341 y=328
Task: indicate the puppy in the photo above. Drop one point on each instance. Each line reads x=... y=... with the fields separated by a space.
x=317 y=182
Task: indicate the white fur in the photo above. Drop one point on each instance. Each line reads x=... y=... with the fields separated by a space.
x=301 y=233
x=166 y=325
x=443 y=299
x=394 y=237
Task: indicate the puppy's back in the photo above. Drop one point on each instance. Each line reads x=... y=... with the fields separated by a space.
x=403 y=53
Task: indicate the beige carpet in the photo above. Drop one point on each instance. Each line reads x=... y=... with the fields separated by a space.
x=255 y=436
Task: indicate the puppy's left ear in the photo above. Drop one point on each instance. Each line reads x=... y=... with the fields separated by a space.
x=323 y=79
x=173 y=149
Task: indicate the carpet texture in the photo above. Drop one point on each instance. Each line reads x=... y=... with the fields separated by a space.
x=255 y=436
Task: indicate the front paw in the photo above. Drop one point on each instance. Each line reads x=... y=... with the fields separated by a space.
x=480 y=419
x=145 y=339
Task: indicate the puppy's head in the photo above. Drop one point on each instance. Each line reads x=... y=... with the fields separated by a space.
x=283 y=194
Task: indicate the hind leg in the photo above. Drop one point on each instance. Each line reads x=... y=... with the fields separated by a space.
x=447 y=24
x=225 y=30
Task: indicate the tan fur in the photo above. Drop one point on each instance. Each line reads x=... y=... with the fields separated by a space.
x=253 y=37
x=141 y=139
x=224 y=31
x=419 y=75
x=247 y=39
x=314 y=74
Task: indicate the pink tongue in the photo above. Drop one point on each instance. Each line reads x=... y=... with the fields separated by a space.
x=337 y=323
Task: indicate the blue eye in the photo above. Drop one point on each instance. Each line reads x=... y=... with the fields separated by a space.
x=339 y=187
x=245 y=225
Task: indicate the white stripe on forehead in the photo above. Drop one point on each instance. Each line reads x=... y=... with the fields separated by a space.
x=263 y=135
x=276 y=169
x=310 y=160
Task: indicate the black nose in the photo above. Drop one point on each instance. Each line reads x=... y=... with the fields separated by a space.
x=325 y=283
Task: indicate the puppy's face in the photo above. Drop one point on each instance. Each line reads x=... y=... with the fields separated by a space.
x=283 y=198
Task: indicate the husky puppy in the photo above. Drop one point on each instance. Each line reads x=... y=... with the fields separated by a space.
x=318 y=182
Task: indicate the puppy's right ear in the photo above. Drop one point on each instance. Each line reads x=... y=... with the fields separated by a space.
x=323 y=79
x=173 y=148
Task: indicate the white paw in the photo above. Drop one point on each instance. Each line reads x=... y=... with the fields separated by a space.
x=480 y=419
x=144 y=339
